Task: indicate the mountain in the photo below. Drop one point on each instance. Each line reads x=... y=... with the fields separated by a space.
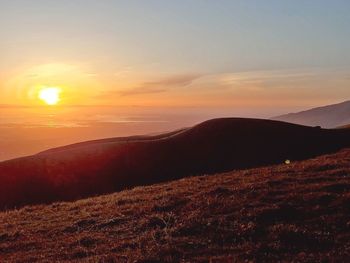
x=344 y=127
x=330 y=116
x=110 y=165
x=298 y=212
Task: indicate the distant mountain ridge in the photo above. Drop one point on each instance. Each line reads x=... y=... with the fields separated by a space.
x=330 y=116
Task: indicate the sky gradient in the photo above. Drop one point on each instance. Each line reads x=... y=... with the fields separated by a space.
x=123 y=64
x=176 y=53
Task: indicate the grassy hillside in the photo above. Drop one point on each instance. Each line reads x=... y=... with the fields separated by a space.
x=110 y=165
x=294 y=212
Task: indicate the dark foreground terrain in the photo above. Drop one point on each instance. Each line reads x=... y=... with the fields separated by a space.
x=109 y=165
x=298 y=211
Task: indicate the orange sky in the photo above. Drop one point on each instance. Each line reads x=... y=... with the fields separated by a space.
x=82 y=85
x=251 y=56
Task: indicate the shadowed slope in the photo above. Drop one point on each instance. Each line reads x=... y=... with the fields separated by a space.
x=135 y=138
x=290 y=213
x=213 y=146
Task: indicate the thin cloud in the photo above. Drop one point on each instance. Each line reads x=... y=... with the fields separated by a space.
x=159 y=86
x=258 y=77
x=123 y=72
x=15 y=106
x=179 y=80
x=162 y=85
x=142 y=90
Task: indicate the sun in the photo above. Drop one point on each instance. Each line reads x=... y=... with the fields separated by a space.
x=50 y=95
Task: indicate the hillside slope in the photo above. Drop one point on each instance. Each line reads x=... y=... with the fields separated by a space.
x=298 y=212
x=330 y=116
x=111 y=165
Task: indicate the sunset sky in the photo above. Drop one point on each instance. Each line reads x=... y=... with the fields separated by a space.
x=176 y=53
x=210 y=58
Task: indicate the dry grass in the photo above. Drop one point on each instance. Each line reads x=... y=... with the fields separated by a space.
x=299 y=212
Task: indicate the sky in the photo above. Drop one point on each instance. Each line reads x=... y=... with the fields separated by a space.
x=247 y=54
x=140 y=60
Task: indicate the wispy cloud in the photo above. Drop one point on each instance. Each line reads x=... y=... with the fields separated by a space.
x=178 y=80
x=162 y=85
x=15 y=106
x=157 y=86
x=259 y=77
x=141 y=90
x=122 y=72
x=275 y=88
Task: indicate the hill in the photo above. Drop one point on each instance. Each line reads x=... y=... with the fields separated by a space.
x=298 y=212
x=330 y=116
x=106 y=166
x=344 y=127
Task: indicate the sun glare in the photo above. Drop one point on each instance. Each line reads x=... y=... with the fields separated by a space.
x=50 y=95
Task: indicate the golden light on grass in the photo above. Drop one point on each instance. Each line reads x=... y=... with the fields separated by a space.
x=50 y=95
